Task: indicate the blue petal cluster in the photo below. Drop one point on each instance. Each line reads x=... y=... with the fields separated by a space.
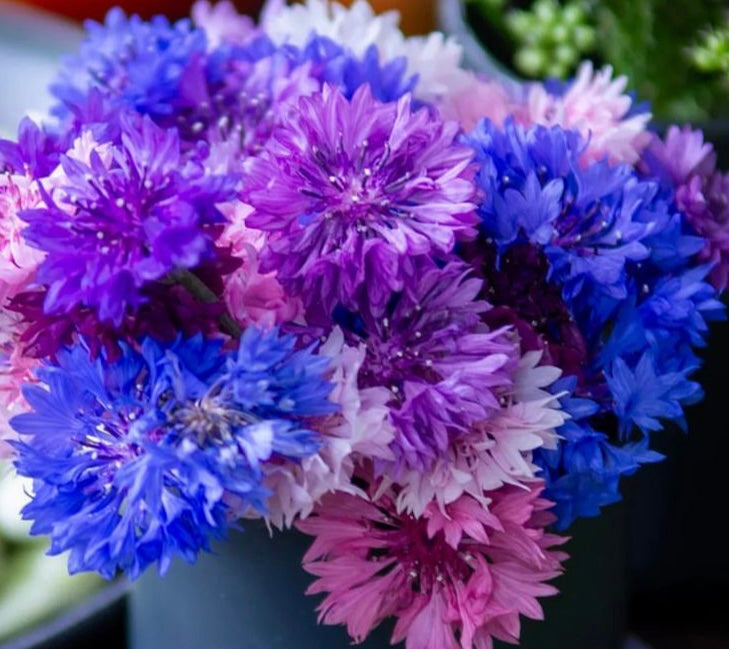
x=148 y=457
x=230 y=92
x=623 y=259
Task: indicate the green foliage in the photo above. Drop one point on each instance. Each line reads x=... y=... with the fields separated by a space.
x=711 y=53
x=676 y=54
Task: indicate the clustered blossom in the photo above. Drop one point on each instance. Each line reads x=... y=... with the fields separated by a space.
x=315 y=272
x=114 y=226
x=595 y=106
x=379 y=185
x=684 y=161
x=595 y=267
x=138 y=460
x=453 y=578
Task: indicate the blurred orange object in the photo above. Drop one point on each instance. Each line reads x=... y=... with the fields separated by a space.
x=418 y=16
x=96 y=10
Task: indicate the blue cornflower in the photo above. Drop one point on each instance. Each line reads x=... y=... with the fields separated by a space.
x=136 y=63
x=149 y=457
x=336 y=65
x=230 y=95
x=583 y=472
x=622 y=259
x=118 y=223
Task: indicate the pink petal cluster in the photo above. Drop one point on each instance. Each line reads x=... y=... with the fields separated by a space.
x=18 y=260
x=253 y=297
x=361 y=428
x=454 y=578
x=495 y=452
x=701 y=192
x=595 y=105
x=16 y=370
x=480 y=98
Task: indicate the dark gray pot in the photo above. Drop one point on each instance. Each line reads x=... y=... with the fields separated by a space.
x=249 y=595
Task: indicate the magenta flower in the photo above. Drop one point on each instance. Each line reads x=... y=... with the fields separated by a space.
x=454 y=579
x=702 y=192
x=352 y=191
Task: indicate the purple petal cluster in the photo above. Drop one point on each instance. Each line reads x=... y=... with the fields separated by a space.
x=116 y=224
x=353 y=192
x=446 y=370
x=684 y=162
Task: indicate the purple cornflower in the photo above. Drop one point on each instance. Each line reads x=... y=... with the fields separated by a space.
x=117 y=224
x=353 y=191
x=687 y=165
x=444 y=367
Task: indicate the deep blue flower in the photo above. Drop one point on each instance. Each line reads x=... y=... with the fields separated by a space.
x=334 y=64
x=135 y=62
x=583 y=473
x=149 y=457
x=123 y=221
x=623 y=261
x=229 y=96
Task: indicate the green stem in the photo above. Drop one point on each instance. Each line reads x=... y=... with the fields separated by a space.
x=195 y=286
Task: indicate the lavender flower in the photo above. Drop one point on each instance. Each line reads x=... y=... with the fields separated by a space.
x=685 y=162
x=148 y=457
x=116 y=225
x=445 y=369
x=353 y=192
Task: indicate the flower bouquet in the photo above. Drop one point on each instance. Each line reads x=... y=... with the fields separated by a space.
x=314 y=272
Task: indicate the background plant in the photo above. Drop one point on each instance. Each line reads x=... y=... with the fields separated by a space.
x=677 y=58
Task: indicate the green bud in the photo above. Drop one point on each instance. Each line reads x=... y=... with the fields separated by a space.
x=565 y=55
x=531 y=61
x=584 y=38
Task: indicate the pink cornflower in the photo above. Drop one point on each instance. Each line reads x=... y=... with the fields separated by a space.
x=18 y=261
x=595 y=105
x=222 y=23
x=480 y=99
x=253 y=297
x=453 y=579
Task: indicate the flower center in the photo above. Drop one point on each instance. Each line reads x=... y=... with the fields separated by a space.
x=426 y=561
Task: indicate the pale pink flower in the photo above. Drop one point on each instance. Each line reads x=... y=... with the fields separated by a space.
x=495 y=452
x=222 y=23
x=478 y=99
x=595 y=105
x=360 y=429
x=453 y=578
x=253 y=297
x=18 y=260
